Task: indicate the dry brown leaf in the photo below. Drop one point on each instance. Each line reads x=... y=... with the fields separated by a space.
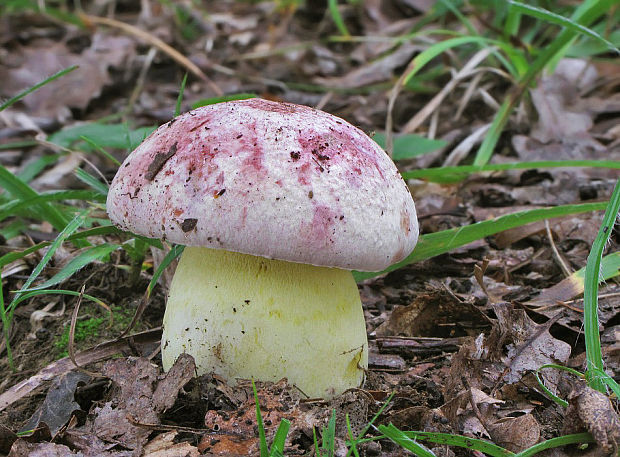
x=139 y=397
x=7 y=438
x=428 y=315
x=378 y=71
x=515 y=433
x=236 y=433
x=59 y=404
x=103 y=351
x=163 y=445
x=591 y=410
x=555 y=98
x=30 y=64
x=22 y=448
x=529 y=345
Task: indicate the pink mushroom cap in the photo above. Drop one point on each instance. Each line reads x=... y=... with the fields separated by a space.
x=270 y=179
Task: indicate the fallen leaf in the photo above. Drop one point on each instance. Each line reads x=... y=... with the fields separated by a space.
x=591 y=410
x=140 y=396
x=26 y=65
x=22 y=448
x=555 y=99
x=142 y=340
x=377 y=71
x=236 y=432
x=430 y=314
x=163 y=445
x=515 y=433
x=7 y=438
x=59 y=404
x=528 y=345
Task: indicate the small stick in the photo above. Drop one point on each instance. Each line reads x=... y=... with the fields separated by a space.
x=72 y=336
x=556 y=254
x=154 y=41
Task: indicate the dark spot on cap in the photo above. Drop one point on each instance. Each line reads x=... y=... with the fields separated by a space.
x=159 y=161
x=189 y=224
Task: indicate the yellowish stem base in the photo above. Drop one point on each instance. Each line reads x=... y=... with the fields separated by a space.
x=242 y=316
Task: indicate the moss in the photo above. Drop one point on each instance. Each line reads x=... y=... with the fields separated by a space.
x=94 y=329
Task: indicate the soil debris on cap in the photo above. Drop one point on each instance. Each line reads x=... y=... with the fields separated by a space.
x=159 y=161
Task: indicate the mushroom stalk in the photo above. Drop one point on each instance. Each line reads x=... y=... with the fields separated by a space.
x=243 y=316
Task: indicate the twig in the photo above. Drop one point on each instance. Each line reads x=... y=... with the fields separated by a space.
x=556 y=254
x=154 y=41
x=431 y=106
x=72 y=336
x=141 y=78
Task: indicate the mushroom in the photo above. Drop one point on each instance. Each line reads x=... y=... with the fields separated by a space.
x=275 y=203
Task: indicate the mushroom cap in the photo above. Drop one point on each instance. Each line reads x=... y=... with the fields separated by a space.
x=270 y=179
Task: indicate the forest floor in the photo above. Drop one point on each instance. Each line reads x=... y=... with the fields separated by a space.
x=454 y=340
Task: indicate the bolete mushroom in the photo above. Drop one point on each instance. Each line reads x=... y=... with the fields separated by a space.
x=276 y=203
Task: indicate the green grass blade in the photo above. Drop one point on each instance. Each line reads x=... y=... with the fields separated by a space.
x=594 y=355
x=264 y=450
x=512 y=24
x=31 y=170
x=551 y=395
x=34 y=293
x=328 y=438
x=548 y=16
x=221 y=99
x=71 y=227
x=585 y=14
x=351 y=437
x=104 y=135
x=556 y=442
x=97 y=231
x=575 y=283
x=433 y=244
x=6 y=317
x=448 y=4
x=608 y=380
x=316 y=443
x=442 y=174
x=22 y=94
x=429 y=54
x=100 y=150
x=277 y=447
x=499 y=122
x=91 y=181
x=12 y=229
x=77 y=263
x=16 y=255
x=18 y=145
x=177 y=108
x=174 y=252
x=409 y=146
x=83 y=235
x=369 y=425
x=23 y=191
x=11 y=208
x=461 y=441
x=420 y=61
x=337 y=18
x=404 y=441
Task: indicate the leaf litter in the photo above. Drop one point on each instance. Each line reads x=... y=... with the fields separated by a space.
x=458 y=356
